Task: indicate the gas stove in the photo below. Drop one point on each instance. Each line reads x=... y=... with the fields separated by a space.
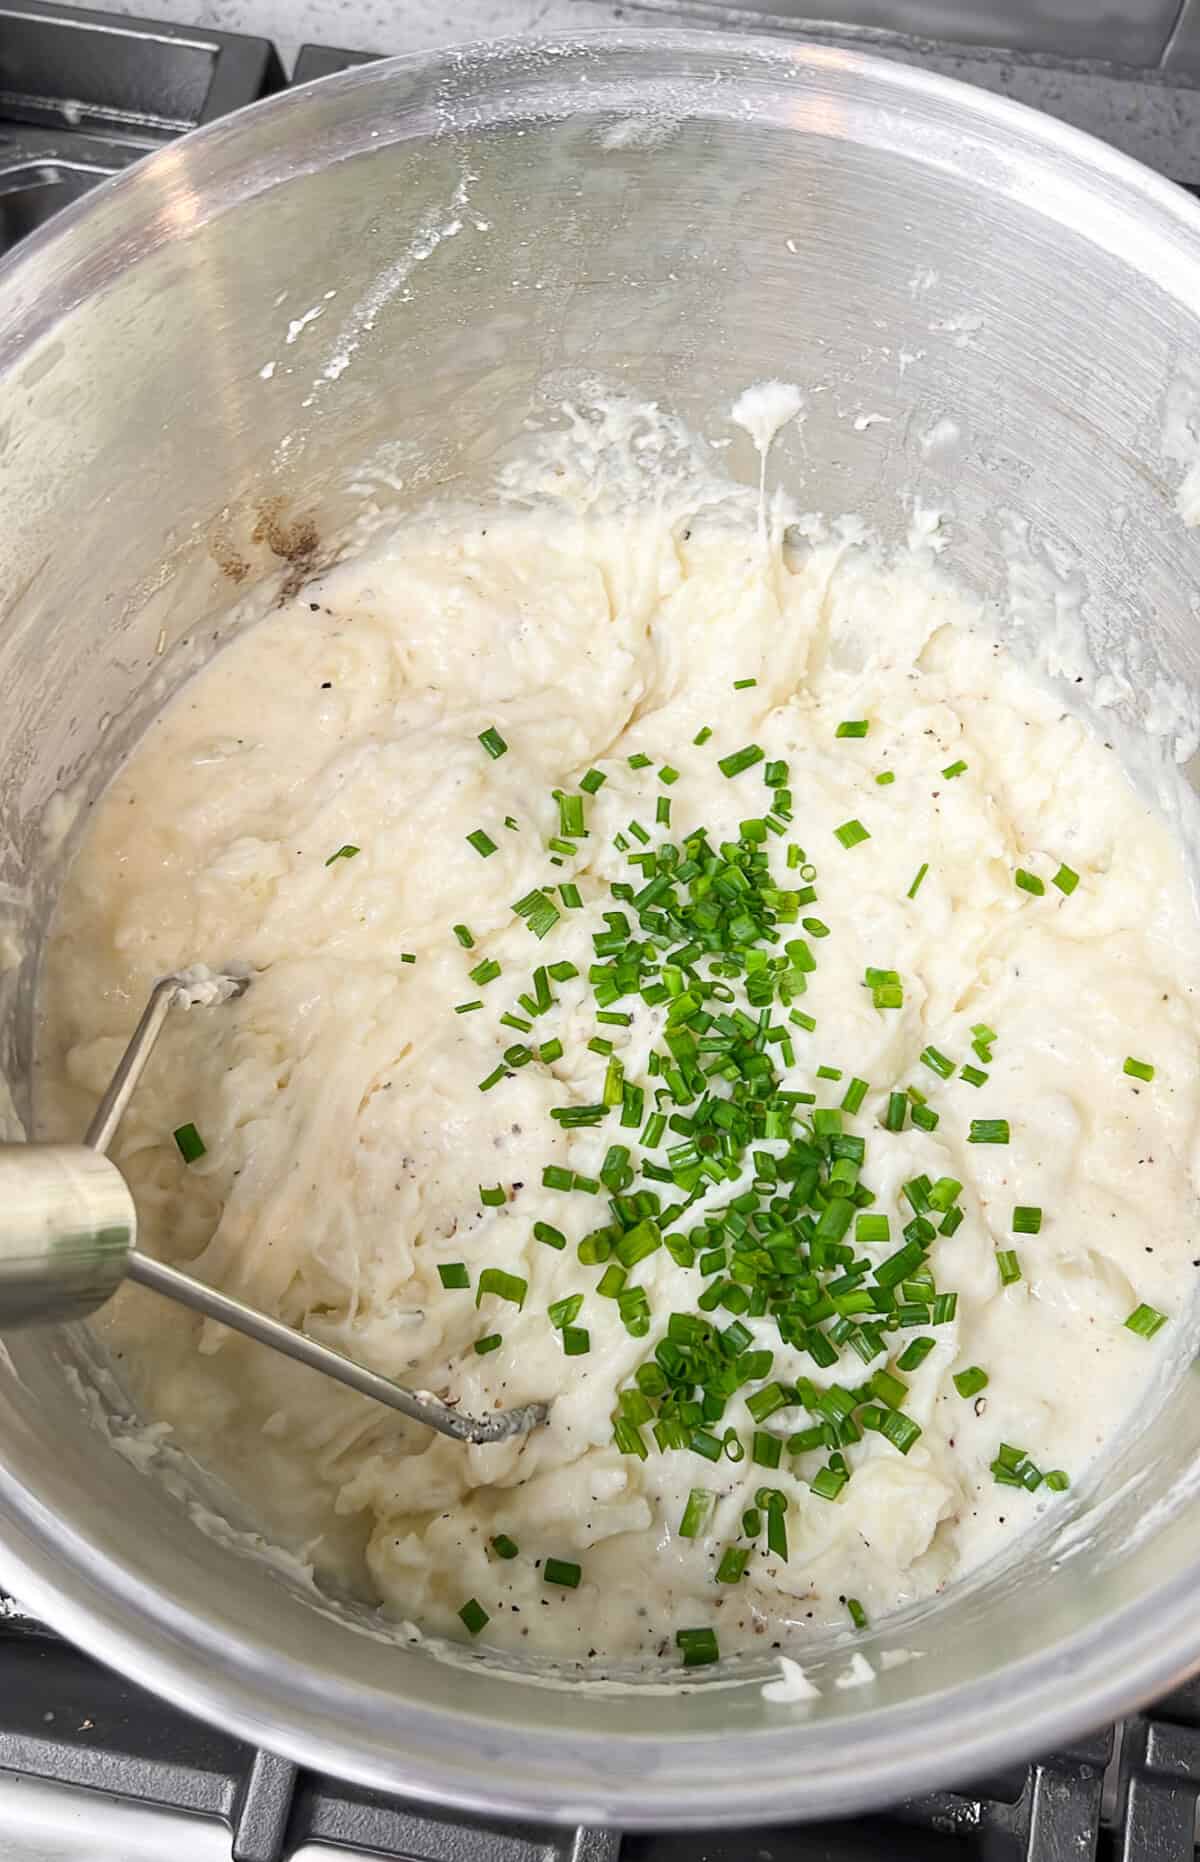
x=93 y=1768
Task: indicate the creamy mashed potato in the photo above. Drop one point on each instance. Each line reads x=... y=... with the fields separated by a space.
x=307 y=805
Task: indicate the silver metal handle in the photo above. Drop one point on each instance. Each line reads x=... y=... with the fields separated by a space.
x=68 y=1234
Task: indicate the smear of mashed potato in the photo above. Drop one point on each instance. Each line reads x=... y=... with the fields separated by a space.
x=981 y=924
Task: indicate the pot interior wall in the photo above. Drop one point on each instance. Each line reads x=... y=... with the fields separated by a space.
x=369 y=290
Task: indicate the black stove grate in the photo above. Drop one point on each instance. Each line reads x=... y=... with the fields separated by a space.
x=82 y=95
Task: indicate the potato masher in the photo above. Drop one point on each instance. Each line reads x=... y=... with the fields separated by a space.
x=68 y=1232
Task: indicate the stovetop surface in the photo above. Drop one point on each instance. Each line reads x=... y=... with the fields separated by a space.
x=93 y=1768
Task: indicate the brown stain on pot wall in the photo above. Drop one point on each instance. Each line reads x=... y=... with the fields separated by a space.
x=293 y=540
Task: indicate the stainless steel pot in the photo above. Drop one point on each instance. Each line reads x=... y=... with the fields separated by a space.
x=369 y=286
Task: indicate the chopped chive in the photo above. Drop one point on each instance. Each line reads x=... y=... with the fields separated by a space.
x=493 y=1079
x=346 y=852
x=552 y=1237
x=1066 y=879
x=504 y=1547
x=492 y=1198
x=454 y=1274
x=539 y=911
x=914 y=1355
x=1026 y=1219
x=885 y=776
x=974 y=1076
x=1138 y=1069
x=743 y=685
x=562 y=972
x=954 y=769
x=852 y=727
x=565 y=1311
x=485 y=972
x=897 y=1107
x=191 y=1144
x=937 y=1062
x=970 y=1382
x=562 y=1571
x=511 y=1287
x=695 y=1513
x=474 y=1616
x=462 y=933
x=857 y=1614
x=483 y=843
x=1145 y=1321
x=854 y=1095
x=916 y=885
x=594 y=780
x=1057 y=1480
x=1008 y=1266
x=576 y=1341
x=571 y=897
x=703 y=734
x=697 y=1646
x=851 y=833
x=1029 y=882
x=738 y=760
x=492 y=741
x=492 y=1342
x=734 y=1560
x=988 y=1131
x=639 y=760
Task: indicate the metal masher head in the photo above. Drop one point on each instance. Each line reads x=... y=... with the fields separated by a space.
x=68 y=1236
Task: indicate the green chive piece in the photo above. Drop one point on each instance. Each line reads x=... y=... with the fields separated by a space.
x=483 y=843
x=493 y=1079
x=492 y=1342
x=1146 y=1321
x=191 y=1144
x=885 y=777
x=914 y=1355
x=504 y=1547
x=697 y=1646
x=1138 y=1069
x=539 y=911
x=853 y=727
x=594 y=780
x=857 y=1614
x=743 y=685
x=454 y=1274
x=346 y=852
x=854 y=1095
x=703 y=734
x=512 y=1287
x=485 y=972
x=851 y=833
x=562 y=1571
x=915 y=887
x=576 y=1341
x=1008 y=1265
x=492 y=741
x=1057 y=1480
x=474 y=1616
x=695 y=1513
x=954 y=769
x=462 y=933
x=492 y=1198
x=552 y=1237
x=1029 y=882
x=937 y=1062
x=988 y=1131
x=746 y=758
x=1066 y=879
x=734 y=1560
x=1026 y=1219
x=970 y=1382
x=974 y=1076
